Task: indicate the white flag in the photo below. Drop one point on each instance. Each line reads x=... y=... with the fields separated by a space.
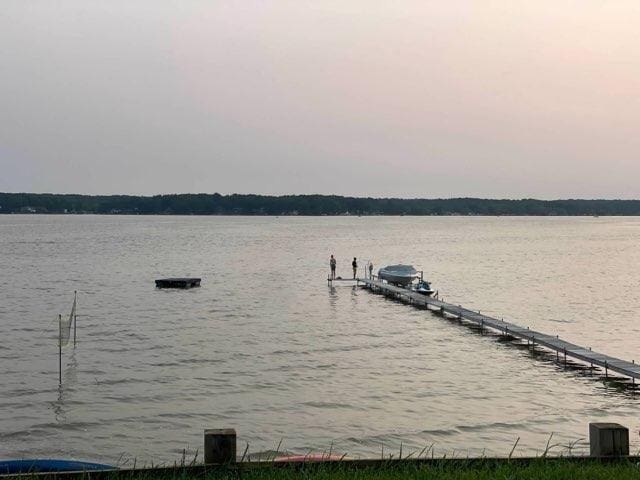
x=65 y=326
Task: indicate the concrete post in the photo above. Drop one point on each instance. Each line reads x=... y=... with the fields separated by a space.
x=608 y=440
x=220 y=446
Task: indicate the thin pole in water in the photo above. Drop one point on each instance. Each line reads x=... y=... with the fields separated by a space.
x=75 y=316
x=59 y=349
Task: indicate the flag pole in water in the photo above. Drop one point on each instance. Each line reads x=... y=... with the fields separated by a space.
x=59 y=349
x=64 y=333
x=75 y=316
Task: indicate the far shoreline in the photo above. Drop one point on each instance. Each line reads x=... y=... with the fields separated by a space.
x=249 y=215
x=306 y=205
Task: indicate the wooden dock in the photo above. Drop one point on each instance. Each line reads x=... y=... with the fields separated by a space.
x=340 y=279
x=562 y=348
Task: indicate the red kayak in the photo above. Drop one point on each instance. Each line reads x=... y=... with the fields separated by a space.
x=311 y=457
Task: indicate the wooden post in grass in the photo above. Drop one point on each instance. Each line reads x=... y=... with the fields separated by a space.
x=220 y=445
x=608 y=440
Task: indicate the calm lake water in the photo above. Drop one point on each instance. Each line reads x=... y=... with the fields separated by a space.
x=264 y=346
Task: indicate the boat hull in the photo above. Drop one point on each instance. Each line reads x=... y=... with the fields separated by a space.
x=424 y=291
x=403 y=280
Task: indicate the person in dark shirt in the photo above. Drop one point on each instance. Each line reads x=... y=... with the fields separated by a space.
x=332 y=264
x=354 y=264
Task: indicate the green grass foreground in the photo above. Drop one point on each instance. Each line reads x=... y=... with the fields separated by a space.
x=574 y=468
x=537 y=470
x=476 y=469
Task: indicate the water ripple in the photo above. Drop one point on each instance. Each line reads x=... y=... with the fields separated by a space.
x=265 y=347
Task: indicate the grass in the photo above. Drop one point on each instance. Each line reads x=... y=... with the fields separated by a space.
x=555 y=468
x=542 y=468
x=388 y=467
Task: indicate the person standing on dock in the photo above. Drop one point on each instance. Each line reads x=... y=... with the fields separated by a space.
x=370 y=270
x=354 y=264
x=332 y=264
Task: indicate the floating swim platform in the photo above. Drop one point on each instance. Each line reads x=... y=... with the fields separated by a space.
x=178 y=282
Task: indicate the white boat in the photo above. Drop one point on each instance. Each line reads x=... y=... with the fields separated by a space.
x=398 y=274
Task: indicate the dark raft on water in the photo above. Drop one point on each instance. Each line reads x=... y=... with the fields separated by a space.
x=177 y=282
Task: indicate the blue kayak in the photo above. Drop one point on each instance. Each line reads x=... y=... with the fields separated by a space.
x=49 y=465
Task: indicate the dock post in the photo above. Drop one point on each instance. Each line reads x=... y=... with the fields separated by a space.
x=608 y=440
x=606 y=369
x=220 y=445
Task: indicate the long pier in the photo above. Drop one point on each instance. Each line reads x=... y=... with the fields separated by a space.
x=550 y=342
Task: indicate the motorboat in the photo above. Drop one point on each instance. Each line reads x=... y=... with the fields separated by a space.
x=398 y=274
x=404 y=276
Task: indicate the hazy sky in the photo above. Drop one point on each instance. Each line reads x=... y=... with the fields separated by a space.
x=507 y=98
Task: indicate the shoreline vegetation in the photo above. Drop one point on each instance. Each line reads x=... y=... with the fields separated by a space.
x=308 y=205
x=568 y=468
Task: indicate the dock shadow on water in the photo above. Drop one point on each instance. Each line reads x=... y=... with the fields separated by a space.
x=571 y=357
x=582 y=370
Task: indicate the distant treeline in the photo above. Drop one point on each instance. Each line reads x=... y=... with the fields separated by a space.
x=216 y=204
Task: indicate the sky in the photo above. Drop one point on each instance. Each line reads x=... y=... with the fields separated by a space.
x=494 y=99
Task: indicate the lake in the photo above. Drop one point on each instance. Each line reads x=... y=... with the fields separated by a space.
x=265 y=347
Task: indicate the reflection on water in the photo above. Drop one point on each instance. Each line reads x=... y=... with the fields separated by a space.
x=65 y=389
x=266 y=347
